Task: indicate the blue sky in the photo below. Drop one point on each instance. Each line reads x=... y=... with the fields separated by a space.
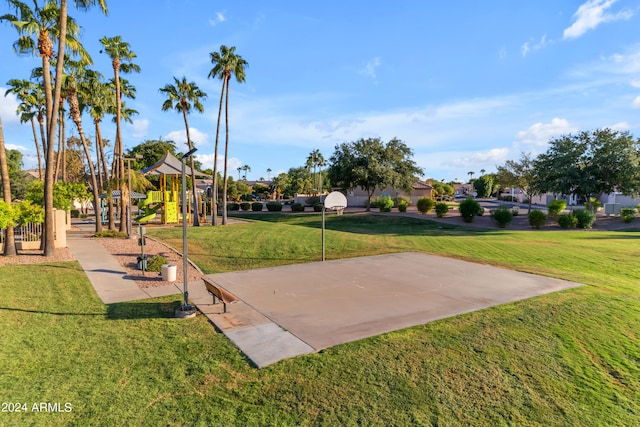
x=465 y=84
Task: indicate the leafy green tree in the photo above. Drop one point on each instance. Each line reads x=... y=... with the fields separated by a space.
x=483 y=186
x=519 y=173
x=184 y=97
x=370 y=164
x=589 y=164
x=226 y=63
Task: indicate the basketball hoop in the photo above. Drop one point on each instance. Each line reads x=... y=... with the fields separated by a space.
x=335 y=201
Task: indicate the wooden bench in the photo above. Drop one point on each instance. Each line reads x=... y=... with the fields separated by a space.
x=219 y=294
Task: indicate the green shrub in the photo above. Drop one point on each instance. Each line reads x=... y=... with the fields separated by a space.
x=515 y=210
x=274 y=206
x=424 y=205
x=7 y=215
x=245 y=206
x=297 y=207
x=481 y=210
x=155 y=263
x=402 y=206
x=75 y=213
x=403 y=200
x=567 y=220
x=537 y=219
x=256 y=206
x=627 y=214
x=233 y=206
x=312 y=200
x=502 y=216
x=318 y=207
x=441 y=209
x=384 y=203
x=28 y=213
x=110 y=233
x=468 y=209
x=585 y=218
x=555 y=207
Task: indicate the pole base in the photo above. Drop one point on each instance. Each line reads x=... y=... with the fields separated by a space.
x=186 y=312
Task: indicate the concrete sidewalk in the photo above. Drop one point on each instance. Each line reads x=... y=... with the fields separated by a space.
x=105 y=274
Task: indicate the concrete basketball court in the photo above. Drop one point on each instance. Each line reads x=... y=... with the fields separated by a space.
x=322 y=304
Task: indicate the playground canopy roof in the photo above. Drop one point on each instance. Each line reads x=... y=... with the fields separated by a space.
x=169 y=165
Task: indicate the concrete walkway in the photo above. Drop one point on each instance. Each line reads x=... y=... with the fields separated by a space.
x=260 y=339
x=105 y=273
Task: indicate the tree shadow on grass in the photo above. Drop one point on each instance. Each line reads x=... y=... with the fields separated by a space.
x=142 y=310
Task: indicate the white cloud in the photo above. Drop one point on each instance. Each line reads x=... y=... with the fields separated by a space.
x=621 y=126
x=636 y=102
x=140 y=128
x=532 y=45
x=369 y=69
x=635 y=83
x=15 y=147
x=539 y=134
x=591 y=14
x=217 y=19
x=481 y=159
x=180 y=137
x=502 y=54
x=8 y=107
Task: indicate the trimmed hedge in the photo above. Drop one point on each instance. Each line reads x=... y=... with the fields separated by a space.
x=256 y=206
x=297 y=207
x=441 y=209
x=424 y=205
x=502 y=216
x=537 y=219
x=468 y=209
x=274 y=206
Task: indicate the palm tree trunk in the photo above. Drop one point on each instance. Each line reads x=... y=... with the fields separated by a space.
x=9 y=241
x=72 y=99
x=38 y=153
x=226 y=151
x=214 y=210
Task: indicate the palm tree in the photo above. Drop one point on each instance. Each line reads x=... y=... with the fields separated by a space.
x=470 y=173
x=121 y=61
x=246 y=168
x=239 y=169
x=95 y=94
x=182 y=97
x=9 y=239
x=47 y=23
x=226 y=63
x=269 y=174
x=482 y=171
x=77 y=72
x=31 y=99
x=315 y=160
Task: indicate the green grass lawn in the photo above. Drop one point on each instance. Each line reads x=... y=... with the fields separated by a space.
x=569 y=358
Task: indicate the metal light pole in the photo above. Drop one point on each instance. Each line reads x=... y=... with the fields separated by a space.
x=186 y=307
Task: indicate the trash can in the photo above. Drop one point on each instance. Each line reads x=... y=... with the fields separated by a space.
x=168 y=272
x=142 y=262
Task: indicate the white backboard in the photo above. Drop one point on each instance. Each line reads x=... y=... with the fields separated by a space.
x=335 y=200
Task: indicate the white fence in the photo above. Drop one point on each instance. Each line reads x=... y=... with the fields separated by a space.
x=29 y=236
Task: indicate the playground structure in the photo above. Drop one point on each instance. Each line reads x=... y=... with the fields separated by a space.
x=166 y=201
